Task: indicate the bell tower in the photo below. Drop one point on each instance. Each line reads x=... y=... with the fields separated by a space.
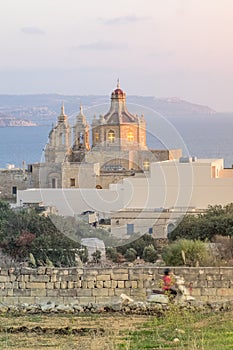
x=81 y=132
x=58 y=145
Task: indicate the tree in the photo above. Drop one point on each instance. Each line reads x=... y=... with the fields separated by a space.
x=217 y=220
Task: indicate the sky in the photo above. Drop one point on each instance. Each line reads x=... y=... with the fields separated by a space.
x=161 y=48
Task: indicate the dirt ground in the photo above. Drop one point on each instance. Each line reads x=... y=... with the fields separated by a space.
x=63 y=332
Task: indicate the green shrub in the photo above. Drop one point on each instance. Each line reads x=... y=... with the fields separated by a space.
x=149 y=253
x=111 y=253
x=130 y=254
x=187 y=252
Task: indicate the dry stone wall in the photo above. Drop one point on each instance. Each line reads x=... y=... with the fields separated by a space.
x=105 y=285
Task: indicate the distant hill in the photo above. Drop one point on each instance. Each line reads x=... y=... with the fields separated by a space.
x=6 y=120
x=44 y=108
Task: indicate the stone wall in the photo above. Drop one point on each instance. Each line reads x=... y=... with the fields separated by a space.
x=104 y=285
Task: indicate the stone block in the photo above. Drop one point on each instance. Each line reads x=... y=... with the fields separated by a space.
x=84 y=284
x=140 y=284
x=57 y=285
x=90 y=284
x=10 y=300
x=53 y=278
x=107 y=284
x=138 y=270
x=111 y=292
x=120 y=271
x=139 y=293
x=28 y=271
x=26 y=300
x=103 y=277
x=105 y=271
x=68 y=293
x=103 y=300
x=63 y=285
x=8 y=285
x=52 y=292
x=10 y=293
x=22 y=285
x=22 y=292
x=121 y=284
x=226 y=271
x=119 y=291
x=196 y=292
x=78 y=284
x=45 y=300
x=49 y=285
x=70 y=285
x=66 y=278
x=114 y=284
x=4 y=272
x=120 y=277
x=38 y=292
x=84 y=292
x=4 y=278
x=85 y=300
x=134 y=284
x=50 y=271
x=41 y=270
x=90 y=272
x=99 y=292
x=89 y=278
x=221 y=284
x=35 y=285
x=39 y=278
x=128 y=284
x=15 y=285
x=100 y=284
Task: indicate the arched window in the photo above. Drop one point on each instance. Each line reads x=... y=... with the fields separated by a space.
x=96 y=136
x=130 y=136
x=111 y=136
x=146 y=165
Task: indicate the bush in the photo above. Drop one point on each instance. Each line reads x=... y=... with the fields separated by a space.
x=187 y=252
x=130 y=254
x=112 y=254
x=149 y=253
x=138 y=245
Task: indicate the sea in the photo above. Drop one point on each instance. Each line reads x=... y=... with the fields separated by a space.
x=207 y=136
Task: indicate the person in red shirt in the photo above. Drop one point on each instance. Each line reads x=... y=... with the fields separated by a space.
x=168 y=284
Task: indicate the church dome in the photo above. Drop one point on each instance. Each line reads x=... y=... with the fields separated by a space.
x=118 y=112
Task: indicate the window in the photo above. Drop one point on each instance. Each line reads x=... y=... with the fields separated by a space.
x=14 y=190
x=146 y=165
x=130 y=229
x=72 y=182
x=130 y=136
x=54 y=183
x=96 y=137
x=111 y=136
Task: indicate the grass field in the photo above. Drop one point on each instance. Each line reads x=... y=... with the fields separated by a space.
x=177 y=330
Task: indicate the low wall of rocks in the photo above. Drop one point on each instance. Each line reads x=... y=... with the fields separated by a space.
x=105 y=285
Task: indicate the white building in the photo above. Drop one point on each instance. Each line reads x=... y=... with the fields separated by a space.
x=146 y=203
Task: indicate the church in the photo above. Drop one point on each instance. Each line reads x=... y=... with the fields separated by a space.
x=112 y=148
